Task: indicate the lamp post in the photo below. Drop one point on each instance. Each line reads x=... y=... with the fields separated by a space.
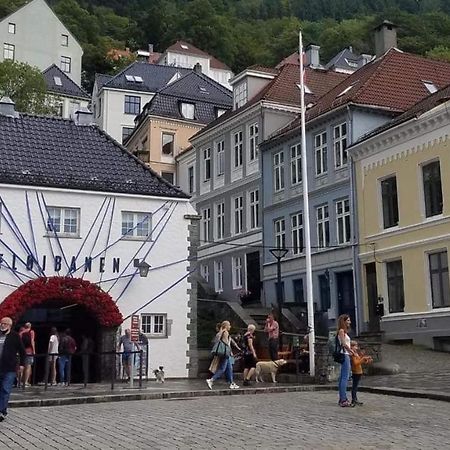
x=279 y=253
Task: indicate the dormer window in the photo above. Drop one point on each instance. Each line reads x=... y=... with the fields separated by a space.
x=307 y=89
x=188 y=110
x=240 y=95
x=220 y=112
x=184 y=46
x=431 y=87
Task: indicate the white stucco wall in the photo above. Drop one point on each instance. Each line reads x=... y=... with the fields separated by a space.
x=37 y=38
x=166 y=249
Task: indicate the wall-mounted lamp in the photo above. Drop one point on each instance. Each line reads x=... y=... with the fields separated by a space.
x=142 y=266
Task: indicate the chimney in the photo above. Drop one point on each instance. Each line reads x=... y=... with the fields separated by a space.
x=312 y=55
x=385 y=37
x=198 y=68
x=150 y=48
x=84 y=117
x=8 y=107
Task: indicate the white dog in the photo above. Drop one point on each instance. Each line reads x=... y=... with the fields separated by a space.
x=264 y=367
x=159 y=374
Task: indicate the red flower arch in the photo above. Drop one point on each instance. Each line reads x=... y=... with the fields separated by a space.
x=67 y=290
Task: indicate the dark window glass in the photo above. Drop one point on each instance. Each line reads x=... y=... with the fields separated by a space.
x=298 y=291
x=324 y=287
x=167 y=143
x=440 y=290
x=394 y=271
x=168 y=176
x=432 y=189
x=390 y=202
x=132 y=104
x=126 y=133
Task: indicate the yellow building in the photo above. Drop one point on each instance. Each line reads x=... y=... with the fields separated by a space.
x=402 y=190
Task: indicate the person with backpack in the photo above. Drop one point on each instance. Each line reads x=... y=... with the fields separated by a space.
x=344 y=349
x=28 y=340
x=67 y=347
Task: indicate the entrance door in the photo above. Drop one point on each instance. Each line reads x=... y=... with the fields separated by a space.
x=372 y=296
x=345 y=295
x=253 y=276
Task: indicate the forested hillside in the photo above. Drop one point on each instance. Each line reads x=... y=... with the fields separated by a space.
x=244 y=32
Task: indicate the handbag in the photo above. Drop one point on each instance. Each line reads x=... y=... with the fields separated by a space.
x=220 y=348
x=338 y=356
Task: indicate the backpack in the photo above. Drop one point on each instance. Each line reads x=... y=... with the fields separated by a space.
x=26 y=339
x=67 y=346
x=338 y=356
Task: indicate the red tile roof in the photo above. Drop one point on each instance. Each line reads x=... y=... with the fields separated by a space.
x=291 y=59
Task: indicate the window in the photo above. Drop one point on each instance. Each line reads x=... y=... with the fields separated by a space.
x=220 y=158
x=218 y=276
x=220 y=112
x=136 y=224
x=298 y=291
x=191 y=179
x=340 y=145
x=132 y=104
x=57 y=81
x=99 y=110
x=430 y=86
x=240 y=95
x=280 y=233
x=204 y=271
x=323 y=226
x=126 y=133
x=207 y=164
x=254 y=208
x=321 y=152
x=154 y=324
x=238 y=204
x=325 y=294
x=440 y=289
x=394 y=272
x=296 y=164
x=343 y=221
x=9 y=51
x=390 y=202
x=188 y=110
x=220 y=220
x=66 y=64
x=59 y=109
x=432 y=188
x=253 y=141
x=278 y=171
x=63 y=220
x=297 y=233
x=237 y=149
x=167 y=144
x=11 y=28
x=236 y=263
x=64 y=40
x=168 y=176
x=205 y=225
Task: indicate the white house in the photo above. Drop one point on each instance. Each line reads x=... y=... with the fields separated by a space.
x=80 y=216
x=34 y=35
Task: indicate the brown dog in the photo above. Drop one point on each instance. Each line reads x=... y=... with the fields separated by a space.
x=264 y=367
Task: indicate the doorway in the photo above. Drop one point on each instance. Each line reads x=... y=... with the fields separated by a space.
x=345 y=295
x=372 y=297
x=253 y=276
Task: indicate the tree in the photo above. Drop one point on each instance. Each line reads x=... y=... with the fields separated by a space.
x=25 y=85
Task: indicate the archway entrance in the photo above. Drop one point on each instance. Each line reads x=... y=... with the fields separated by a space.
x=65 y=302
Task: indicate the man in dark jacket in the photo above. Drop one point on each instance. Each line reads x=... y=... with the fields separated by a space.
x=10 y=346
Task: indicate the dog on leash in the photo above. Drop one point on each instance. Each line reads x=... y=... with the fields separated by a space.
x=159 y=374
x=265 y=367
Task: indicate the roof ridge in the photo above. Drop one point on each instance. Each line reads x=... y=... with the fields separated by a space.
x=67 y=77
x=120 y=73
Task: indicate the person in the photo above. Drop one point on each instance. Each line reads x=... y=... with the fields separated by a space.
x=273 y=330
x=10 y=346
x=304 y=355
x=28 y=341
x=86 y=349
x=358 y=359
x=223 y=365
x=53 y=347
x=127 y=355
x=343 y=325
x=67 y=347
x=250 y=358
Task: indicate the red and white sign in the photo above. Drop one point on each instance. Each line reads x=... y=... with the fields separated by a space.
x=134 y=329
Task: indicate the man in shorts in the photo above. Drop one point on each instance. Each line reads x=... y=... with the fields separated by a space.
x=127 y=356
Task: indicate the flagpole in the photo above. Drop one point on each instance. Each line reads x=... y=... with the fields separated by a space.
x=309 y=282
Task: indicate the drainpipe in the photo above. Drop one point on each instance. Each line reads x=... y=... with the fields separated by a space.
x=354 y=227
x=261 y=195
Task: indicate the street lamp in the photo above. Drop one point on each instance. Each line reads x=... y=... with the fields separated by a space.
x=142 y=266
x=279 y=253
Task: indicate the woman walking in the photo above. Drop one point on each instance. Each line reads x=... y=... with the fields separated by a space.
x=343 y=326
x=223 y=362
x=249 y=354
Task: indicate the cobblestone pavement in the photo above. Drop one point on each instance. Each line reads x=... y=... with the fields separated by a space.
x=307 y=420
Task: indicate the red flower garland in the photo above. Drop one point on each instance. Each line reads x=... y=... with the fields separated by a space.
x=67 y=290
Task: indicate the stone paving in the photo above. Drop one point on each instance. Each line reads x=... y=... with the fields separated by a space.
x=305 y=420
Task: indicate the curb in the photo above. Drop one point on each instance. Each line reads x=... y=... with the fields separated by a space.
x=397 y=392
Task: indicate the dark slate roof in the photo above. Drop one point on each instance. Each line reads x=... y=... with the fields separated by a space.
x=54 y=152
x=206 y=94
x=101 y=79
x=346 y=60
x=68 y=87
x=154 y=77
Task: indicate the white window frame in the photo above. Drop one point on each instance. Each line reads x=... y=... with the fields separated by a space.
x=296 y=164
x=204 y=271
x=253 y=202
x=240 y=94
x=237 y=149
x=238 y=214
x=279 y=226
x=206 y=164
x=323 y=225
x=191 y=179
x=340 y=145
x=9 y=51
x=188 y=110
x=64 y=40
x=60 y=227
x=140 y=225
x=321 y=153
x=343 y=226
x=11 y=28
x=220 y=220
x=220 y=152
x=237 y=272
x=253 y=141
x=205 y=226
x=66 y=64
x=278 y=171
x=218 y=276
x=298 y=243
x=154 y=325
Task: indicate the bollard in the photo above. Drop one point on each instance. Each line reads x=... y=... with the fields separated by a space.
x=140 y=367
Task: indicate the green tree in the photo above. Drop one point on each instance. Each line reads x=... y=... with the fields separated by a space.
x=25 y=85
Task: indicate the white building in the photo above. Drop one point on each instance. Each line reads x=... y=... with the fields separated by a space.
x=77 y=209
x=34 y=35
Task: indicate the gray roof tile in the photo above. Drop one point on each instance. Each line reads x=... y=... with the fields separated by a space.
x=67 y=87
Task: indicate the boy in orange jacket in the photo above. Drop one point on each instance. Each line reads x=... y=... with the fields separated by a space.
x=357 y=360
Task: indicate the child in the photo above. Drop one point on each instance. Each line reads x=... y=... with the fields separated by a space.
x=357 y=360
